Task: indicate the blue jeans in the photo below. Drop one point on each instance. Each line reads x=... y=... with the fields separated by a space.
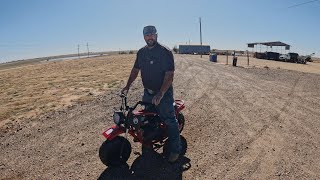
x=167 y=113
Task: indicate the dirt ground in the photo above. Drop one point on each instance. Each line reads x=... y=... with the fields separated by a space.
x=248 y=122
x=310 y=67
x=47 y=86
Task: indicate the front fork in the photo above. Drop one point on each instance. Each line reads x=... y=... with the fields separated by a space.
x=126 y=137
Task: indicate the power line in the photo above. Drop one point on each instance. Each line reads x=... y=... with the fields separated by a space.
x=303 y=3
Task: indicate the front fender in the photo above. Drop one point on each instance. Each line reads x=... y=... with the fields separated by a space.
x=112 y=132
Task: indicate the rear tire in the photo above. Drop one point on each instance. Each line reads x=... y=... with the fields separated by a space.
x=181 y=121
x=184 y=147
x=109 y=151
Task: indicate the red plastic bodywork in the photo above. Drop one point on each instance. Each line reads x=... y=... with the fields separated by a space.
x=115 y=130
x=179 y=104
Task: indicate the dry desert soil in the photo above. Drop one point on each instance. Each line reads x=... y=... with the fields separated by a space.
x=260 y=121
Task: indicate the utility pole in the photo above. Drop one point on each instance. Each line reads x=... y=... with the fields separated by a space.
x=88 y=48
x=227 y=56
x=200 y=36
x=248 y=57
x=78 y=51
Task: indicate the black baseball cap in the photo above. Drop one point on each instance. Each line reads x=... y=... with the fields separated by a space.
x=149 y=30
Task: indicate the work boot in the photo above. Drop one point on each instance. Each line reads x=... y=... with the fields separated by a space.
x=173 y=157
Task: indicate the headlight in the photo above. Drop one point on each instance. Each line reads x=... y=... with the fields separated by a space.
x=135 y=120
x=117 y=117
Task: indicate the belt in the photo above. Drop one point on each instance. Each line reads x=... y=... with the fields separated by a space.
x=152 y=92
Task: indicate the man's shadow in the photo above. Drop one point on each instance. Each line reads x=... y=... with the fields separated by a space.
x=150 y=165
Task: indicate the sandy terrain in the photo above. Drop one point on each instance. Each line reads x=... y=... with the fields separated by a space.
x=256 y=122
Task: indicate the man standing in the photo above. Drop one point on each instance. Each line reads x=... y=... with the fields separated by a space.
x=156 y=64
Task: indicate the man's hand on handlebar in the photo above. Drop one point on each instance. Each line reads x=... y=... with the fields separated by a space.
x=125 y=90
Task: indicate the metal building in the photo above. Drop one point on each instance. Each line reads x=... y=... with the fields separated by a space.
x=194 y=49
x=272 y=49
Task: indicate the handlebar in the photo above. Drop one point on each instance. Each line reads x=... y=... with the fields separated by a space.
x=124 y=99
x=124 y=105
x=142 y=103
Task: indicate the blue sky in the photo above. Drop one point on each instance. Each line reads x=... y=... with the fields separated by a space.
x=36 y=28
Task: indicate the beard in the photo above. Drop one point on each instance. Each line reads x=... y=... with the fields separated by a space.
x=151 y=42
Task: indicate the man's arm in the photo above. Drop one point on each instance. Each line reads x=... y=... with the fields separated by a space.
x=133 y=75
x=167 y=82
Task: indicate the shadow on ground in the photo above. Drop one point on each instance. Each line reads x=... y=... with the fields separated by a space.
x=150 y=165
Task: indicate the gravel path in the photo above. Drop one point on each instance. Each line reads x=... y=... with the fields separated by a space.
x=241 y=123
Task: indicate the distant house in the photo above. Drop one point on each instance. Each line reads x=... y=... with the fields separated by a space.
x=194 y=49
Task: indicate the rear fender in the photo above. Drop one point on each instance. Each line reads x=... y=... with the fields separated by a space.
x=179 y=106
x=113 y=132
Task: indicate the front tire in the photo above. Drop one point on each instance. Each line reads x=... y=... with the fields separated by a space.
x=110 y=151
